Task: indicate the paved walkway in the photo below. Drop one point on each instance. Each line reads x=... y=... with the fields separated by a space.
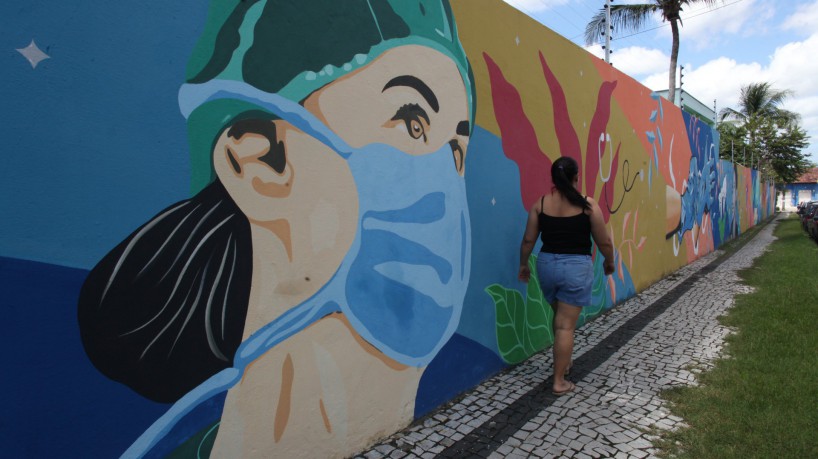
x=622 y=361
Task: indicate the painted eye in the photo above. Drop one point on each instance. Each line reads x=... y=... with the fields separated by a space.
x=413 y=116
x=415 y=128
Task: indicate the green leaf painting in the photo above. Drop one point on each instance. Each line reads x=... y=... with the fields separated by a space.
x=722 y=224
x=523 y=327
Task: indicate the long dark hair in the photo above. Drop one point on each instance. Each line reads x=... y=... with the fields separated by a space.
x=166 y=308
x=563 y=172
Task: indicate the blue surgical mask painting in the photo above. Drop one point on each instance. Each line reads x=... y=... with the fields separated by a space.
x=412 y=246
x=411 y=243
x=309 y=206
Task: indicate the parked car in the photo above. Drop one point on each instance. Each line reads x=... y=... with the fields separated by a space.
x=799 y=209
x=812 y=223
x=806 y=214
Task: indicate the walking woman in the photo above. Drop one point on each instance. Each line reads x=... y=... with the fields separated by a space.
x=566 y=222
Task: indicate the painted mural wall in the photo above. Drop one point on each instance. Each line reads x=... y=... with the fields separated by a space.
x=290 y=228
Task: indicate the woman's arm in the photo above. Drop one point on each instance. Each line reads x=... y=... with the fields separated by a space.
x=532 y=230
x=601 y=237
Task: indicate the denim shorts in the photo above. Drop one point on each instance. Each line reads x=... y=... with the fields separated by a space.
x=565 y=278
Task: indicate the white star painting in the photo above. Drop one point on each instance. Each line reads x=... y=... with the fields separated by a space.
x=34 y=54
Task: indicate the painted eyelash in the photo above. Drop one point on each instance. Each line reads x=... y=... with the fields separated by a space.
x=408 y=110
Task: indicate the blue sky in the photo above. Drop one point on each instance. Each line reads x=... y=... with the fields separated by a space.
x=723 y=47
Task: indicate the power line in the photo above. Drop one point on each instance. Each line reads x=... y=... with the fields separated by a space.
x=576 y=12
x=642 y=41
x=524 y=10
x=587 y=7
x=548 y=8
x=709 y=10
x=703 y=10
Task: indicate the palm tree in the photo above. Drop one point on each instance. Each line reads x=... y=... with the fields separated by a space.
x=768 y=130
x=632 y=18
x=760 y=100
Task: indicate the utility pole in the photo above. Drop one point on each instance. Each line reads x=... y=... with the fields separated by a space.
x=608 y=29
x=681 y=83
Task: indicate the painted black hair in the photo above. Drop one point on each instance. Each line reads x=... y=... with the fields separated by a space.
x=563 y=172
x=166 y=308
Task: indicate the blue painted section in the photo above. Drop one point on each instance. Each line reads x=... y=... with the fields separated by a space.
x=497 y=221
x=701 y=194
x=460 y=365
x=756 y=196
x=97 y=124
x=54 y=402
x=199 y=419
x=726 y=216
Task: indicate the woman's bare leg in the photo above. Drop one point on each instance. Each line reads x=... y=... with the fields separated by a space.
x=564 y=324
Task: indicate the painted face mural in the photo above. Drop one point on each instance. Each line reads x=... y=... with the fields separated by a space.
x=324 y=258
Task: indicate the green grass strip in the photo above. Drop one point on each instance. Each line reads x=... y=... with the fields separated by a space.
x=761 y=399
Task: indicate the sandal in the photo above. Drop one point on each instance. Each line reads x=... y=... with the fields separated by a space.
x=570 y=389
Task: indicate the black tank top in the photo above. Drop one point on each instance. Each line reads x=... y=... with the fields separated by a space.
x=565 y=235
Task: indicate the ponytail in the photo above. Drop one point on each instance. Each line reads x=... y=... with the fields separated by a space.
x=165 y=310
x=563 y=172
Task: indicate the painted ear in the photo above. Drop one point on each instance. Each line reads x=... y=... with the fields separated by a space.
x=250 y=159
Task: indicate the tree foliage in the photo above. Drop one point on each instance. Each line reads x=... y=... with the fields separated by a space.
x=633 y=18
x=760 y=100
x=761 y=134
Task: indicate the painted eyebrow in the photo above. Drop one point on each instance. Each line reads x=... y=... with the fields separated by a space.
x=462 y=128
x=416 y=84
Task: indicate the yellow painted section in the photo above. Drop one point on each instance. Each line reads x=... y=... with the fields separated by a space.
x=514 y=42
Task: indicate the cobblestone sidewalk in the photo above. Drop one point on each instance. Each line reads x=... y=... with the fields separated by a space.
x=622 y=361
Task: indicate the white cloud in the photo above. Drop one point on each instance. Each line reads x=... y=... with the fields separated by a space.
x=637 y=61
x=804 y=19
x=705 y=26
x=535 y=6
x=806 y=106
x=793 y=67
x=596 y=50
x=725 y=27
x=722 y=78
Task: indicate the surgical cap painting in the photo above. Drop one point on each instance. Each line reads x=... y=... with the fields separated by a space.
x=293 y=48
